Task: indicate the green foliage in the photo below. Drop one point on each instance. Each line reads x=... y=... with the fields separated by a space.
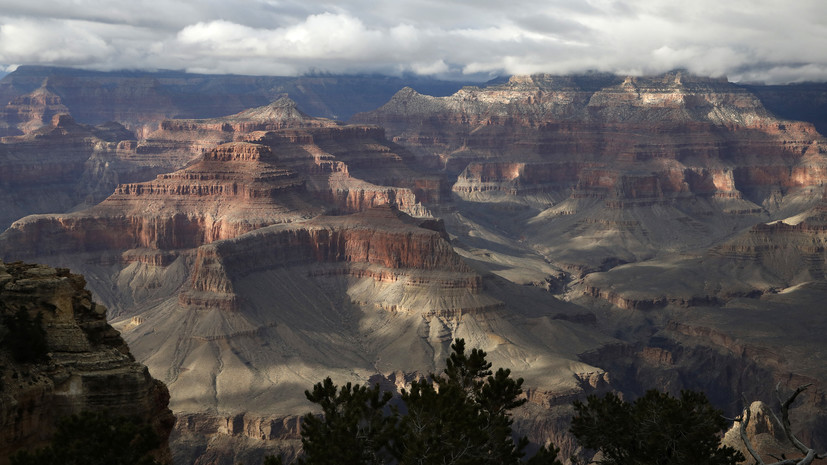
x=95 y=438
x=460 y=417
x=354 y=428
x=656 y=429
x=25 y=337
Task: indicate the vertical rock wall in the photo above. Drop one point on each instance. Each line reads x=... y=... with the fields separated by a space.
x=87 y=366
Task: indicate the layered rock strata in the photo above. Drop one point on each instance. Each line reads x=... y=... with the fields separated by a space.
x=234 y=189
x=382 y=245
x=88 y=366
x=29 y=112
x=765 y=260
x=613 y=169
x=376 y=296
x=282 y=167
x=63 y=166
x=650 y=205
x=60 y=166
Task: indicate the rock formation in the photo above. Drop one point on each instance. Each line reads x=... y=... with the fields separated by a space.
x=591 y=233
x=65 y=165
x=280 y=167
x=88 y=366
x=673 y=194
x=143 y=99
x=29 y=112
x=613 y=170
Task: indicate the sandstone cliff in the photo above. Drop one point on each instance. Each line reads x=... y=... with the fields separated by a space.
x=591 y=233
x=372 y=296
x=29 y=112
x=88 y=366
x=601 y=168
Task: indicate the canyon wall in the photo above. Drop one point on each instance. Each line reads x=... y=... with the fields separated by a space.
x=591 y=233
x=87 y=367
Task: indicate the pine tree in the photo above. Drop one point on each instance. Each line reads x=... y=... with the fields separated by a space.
x=458 y=417
x=355 y=426
x=462 y=416
x=656 y=429
x=96 y=438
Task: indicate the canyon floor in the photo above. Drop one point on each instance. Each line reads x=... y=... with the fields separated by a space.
x=591 y=233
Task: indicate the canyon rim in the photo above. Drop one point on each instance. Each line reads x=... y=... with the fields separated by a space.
x=592 y=233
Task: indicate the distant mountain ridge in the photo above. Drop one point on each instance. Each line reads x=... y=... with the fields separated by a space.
x=135 y=98
x=592 y=233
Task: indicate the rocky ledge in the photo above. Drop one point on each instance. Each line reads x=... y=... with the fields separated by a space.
x=86 y=364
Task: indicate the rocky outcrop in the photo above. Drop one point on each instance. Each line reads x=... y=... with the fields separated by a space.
x=676 y=218
x=87 y=365
x=637 y=165
x=382 y=244
x=349 y=167
x=29 y=112
x=765 y=434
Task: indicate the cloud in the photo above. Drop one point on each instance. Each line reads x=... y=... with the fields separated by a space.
x=59 y=42
x=748 y=40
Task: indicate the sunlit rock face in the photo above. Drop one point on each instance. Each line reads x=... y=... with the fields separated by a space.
x=673 y=204
x=231 y=257
x=604 y=169
x=88 y=366
x=591 y=233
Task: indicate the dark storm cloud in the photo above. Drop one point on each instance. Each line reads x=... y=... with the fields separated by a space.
x=747 y=40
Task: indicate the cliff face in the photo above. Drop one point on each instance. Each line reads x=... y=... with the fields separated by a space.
x=380 y=245
x=88 y=366
x=26 y=113
x=613 y=169
x=590 y=233
x=65 y=165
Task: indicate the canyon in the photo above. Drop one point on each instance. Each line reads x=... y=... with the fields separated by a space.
x=592 y=233
x=87 y=366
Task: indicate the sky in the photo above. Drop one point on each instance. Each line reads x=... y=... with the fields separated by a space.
x=770 y=41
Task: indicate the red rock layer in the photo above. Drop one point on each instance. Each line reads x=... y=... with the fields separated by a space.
x=389 y=243
x=236 y=188
x=547 y=133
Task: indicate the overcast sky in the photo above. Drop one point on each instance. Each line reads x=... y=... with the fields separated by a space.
x=774 y=41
